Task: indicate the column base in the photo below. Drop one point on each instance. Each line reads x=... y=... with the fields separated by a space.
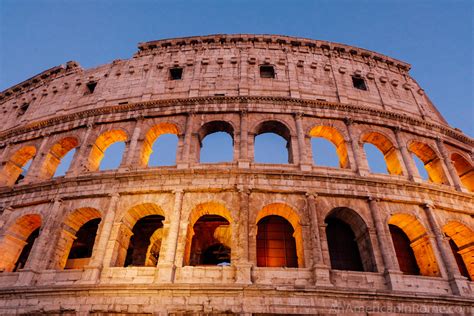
x=243 y=164
x=306 y=167
x=26 y=277
x=394 y=279
x=182 y=165
x=243 y=273
x=459 y=285
x=90 y=275
x=322 y=275
x=165 y=273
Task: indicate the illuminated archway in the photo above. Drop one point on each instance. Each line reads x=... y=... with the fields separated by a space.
x=217 y=218
x=290 y=215
x=419 y=242
x=13 y=167
x=17 y=241
x=70 y=232
x=388 y=150
x=151 y=136
x=334 y=136
x=465 y=170
x=430 y=159
x=463 y=238
x=54 y=156
x=101 y=144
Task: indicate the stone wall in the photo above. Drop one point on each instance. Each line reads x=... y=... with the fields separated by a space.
x=221 y=89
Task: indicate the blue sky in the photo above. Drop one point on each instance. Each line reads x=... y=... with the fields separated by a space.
x=435 y=36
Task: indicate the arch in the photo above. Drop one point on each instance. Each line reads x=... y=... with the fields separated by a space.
x=151 y=136
x=419 y=242
x=430 y=159
x=278 y=128
x=335 y=137
x=276 y=245
x=211 y=128
x=141 y=220
x=218 y=218
x=72 y=224
x=463 y=238
x=464 y=169
x=55 y=154
x=289 y=214
x=349 y=242
x=388 y=150
x=145 y=243
x=102 y=143
x=12 y=170
x=16 y=243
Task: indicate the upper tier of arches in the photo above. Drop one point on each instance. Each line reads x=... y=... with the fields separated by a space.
x=444 y=163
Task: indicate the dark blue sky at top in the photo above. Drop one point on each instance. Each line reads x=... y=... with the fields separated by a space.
x=435 y=36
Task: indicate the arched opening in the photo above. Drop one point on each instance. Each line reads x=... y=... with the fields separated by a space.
x=77 y=239
x=65 y=164
x=432 y=163
x=160 y=145
x=216 y=142
x=140 y=236
x=55 y=156
x=324 y=153
x=211 y=242
x=335 y=137
x=272 y=143
x=462 y=246
x=276 y=246
x=465 y=170
x=17 y=242
x=405 y=256
x=459 y=260
x=377 y=143
x=100 y=149
x=418 y=241
x=275 y=213
x=81 y=249
x=209 y=236
x=420 y=166
x=349 y=242
x=164 y=151
x=17 y=166
x=145 y=243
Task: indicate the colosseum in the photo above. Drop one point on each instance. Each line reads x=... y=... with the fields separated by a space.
x=240 y=236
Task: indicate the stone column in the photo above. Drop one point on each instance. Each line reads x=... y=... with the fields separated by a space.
x=361 y=166
x=244 y=161
x=33 y=172
x=305 y=163
x=242 y=264
x=43 y=247
x=96 y=263
x=456 y=281
x=166 y=264
x=131 y=154
x=80 y=160
x=406 y=157
x=188 y=134
x=388 y=255
x=449 y=165
x=319 y=266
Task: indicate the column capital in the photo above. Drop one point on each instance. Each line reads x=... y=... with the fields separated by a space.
x=90 y=125
x=178 y=191
x=428 y=205
x=299 y=115
x=244 y=189
x=372 y=199
x=311 y=194
x=114 y=195
x=348 y=121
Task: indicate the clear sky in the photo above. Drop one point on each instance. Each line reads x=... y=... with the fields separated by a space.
x=435 y=36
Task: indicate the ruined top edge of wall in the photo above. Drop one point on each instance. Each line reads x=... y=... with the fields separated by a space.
x=250 y=39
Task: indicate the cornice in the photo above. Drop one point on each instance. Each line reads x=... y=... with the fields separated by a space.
x=214 y=40
x=237 y=100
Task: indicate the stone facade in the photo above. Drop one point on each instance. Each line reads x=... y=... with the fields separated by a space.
x=347 y=95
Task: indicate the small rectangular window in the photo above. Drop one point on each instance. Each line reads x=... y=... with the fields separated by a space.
x=91 y=87
x=176 y=73
x=23 y=108
x=359 y=83
x=267 y=71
